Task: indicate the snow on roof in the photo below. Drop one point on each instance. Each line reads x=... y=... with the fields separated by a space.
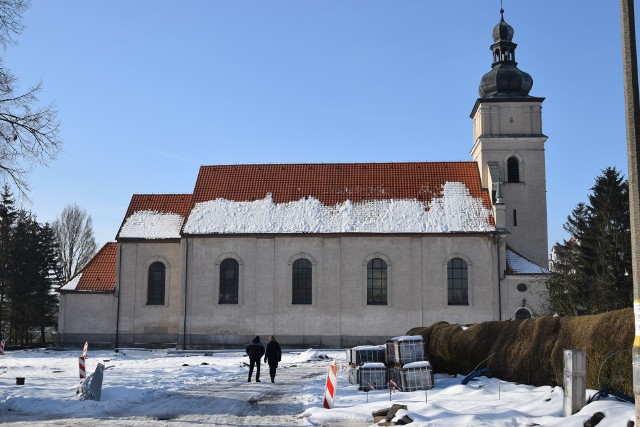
x=152 y=225
x=407 y=338
x=517 y=264
x=368 y=347
x=455 y=211
x=72 y=284
x=421 y=364
x=371 y=365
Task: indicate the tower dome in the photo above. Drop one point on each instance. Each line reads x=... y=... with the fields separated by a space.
x=505 y=79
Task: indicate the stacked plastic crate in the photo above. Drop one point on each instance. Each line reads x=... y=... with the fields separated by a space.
x=366 y=367
x=408 y=366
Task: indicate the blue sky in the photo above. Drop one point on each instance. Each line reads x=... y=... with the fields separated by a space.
x=149 y=90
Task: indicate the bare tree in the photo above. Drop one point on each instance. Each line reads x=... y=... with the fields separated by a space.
x=11 y=19
x=74 y=235
x=28 y=130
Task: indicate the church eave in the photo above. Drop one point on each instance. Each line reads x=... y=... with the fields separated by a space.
x=147 y=240
x=334 y=235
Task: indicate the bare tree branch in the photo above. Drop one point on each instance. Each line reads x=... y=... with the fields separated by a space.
x=11 y=20
x=29 y=132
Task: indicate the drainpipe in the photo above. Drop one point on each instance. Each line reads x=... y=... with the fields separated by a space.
x=186 y=285
x=499 y=208
x=499 y=277
x=119 y=269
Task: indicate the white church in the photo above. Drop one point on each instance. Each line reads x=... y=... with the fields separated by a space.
x=336 y=254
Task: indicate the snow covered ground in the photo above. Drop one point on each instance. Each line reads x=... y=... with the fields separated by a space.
x=163 y=388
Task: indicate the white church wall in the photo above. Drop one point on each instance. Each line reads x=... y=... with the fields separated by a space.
x=85 y=316
x=480 y=255
x=524 y=291
x=140 y=322
x=339 y=314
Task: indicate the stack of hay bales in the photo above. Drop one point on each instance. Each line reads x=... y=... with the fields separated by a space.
x=408 y=366
x=366 y=367
x=530 y=351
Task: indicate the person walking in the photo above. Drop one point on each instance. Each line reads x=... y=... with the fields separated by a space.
x=273 y=356
x=255 y=351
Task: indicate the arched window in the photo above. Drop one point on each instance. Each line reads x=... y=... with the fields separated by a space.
x=229 y=275
x=301 y=282
x=376 y=282
x=523 y=313
x=513 y=169
x=457 y=282
x=155 y=285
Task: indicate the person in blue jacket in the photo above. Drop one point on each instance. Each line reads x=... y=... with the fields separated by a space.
x=273 y=356
x=255 y=351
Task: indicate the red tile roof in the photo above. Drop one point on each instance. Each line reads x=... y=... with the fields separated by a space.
x=99 y=275
x=333 y=183
x=165 y=203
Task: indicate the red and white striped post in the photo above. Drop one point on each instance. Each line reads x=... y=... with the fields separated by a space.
x=81 y=359
x=330 y=389
x=1 y=346
x=83 y=372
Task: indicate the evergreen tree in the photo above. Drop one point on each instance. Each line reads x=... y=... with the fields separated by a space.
x=20 y=278
x=32 y=275
x=7 y=219
x=46 y=297
x=591 y=273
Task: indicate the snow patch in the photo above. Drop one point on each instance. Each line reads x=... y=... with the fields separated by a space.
x=152 y=225
x=455 y=211
x=72 y=284
x=407 y=338
x=521 y=265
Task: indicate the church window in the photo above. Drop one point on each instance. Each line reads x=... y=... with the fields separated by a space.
x=515 y=218
x=376 y=282
x=302 y=282
x=523 y=313
x=522 y=287
x=229 y=275
x=457 y=282
x=513 y=169
x=155 y=286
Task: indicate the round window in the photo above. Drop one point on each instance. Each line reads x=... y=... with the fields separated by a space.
x=522 y=287
x=523 y=313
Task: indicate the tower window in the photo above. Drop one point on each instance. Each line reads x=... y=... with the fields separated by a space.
x=513 y=170
x=515 y=218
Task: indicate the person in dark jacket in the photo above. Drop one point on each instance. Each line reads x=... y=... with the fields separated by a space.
x=273 y=356
x=255 y=351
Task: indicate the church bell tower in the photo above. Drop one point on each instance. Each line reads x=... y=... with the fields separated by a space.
x=509 y=147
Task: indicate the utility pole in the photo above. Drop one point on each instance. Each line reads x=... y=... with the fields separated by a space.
x=632 y=114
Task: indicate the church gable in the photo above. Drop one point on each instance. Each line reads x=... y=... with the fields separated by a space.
x=423 y=197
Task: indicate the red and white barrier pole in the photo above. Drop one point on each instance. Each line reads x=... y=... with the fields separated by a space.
x=330 y=389
x=84 y=349
x=83 y=372
x=1 y=346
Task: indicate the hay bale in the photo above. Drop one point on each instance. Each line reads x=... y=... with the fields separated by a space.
x=530 y=351
x=607 y=339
